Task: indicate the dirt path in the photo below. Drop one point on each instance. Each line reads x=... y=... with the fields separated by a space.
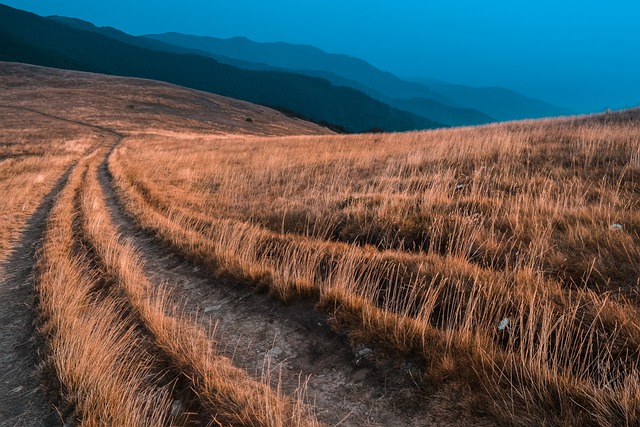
x=22 y=400
x=344 y=387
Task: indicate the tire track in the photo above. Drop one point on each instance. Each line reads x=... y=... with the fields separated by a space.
x=99 y=372
x=190 y=410
x=22 y=398
x=345 y=389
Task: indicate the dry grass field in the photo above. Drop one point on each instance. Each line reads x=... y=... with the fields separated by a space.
x=199 y=268
x=35 y=150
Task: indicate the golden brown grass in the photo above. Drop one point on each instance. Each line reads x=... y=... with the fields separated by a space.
x=94 y=355
x=227 y=392
x=417 y=243
x=422 y=242
x=116 y=348
x=32 y=159
x=95 y=305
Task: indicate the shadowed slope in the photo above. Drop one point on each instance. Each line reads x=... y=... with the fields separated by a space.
x=130 y=104
x=26 y=37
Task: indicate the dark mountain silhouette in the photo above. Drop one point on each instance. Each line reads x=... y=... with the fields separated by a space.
x=499 y=103
x=25 y=37
x=425 y=107
x=442 y=112
x=301 y=57
x=139 y=41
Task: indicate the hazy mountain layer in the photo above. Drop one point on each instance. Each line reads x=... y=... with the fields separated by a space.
x=25 y=37
x=499 y=103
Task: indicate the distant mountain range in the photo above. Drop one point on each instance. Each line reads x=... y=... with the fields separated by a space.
x=423 y=96
x=338 y=91
x=28 y=38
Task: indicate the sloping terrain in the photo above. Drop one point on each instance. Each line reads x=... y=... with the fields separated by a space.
x=116 y=343
x=187 y=266
x=434 y=106
x=51 y=120
x=454 y=105
x=498 y=266
x=36 y=153
x=498 y=102
x=426 y=107
x=28 y=38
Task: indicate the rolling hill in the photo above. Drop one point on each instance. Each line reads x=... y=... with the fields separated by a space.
x=173 y=257
x=499 y=102
x=28 y=38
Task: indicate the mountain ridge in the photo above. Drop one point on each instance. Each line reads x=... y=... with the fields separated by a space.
x=437 y=111
x=306 y=59
x=443 y=102
x=26 y=37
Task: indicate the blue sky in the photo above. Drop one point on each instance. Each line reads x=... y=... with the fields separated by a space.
x=584 y=54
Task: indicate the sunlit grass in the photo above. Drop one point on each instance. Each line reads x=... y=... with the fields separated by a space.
x=424 y=242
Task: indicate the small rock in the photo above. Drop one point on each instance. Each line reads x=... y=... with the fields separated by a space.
x=503 y=324
x=211 y=308
x=408 y=367
x=361 y=374
x=176 y=408
x=361 y=354
x=274 y=353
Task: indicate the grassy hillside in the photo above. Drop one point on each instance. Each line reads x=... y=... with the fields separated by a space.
x=115 y=347
x=201 y=268
x=501 y=260
x=28 y=38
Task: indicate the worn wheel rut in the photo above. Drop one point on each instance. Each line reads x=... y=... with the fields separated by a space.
x=22 y=399
x=253 y=327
